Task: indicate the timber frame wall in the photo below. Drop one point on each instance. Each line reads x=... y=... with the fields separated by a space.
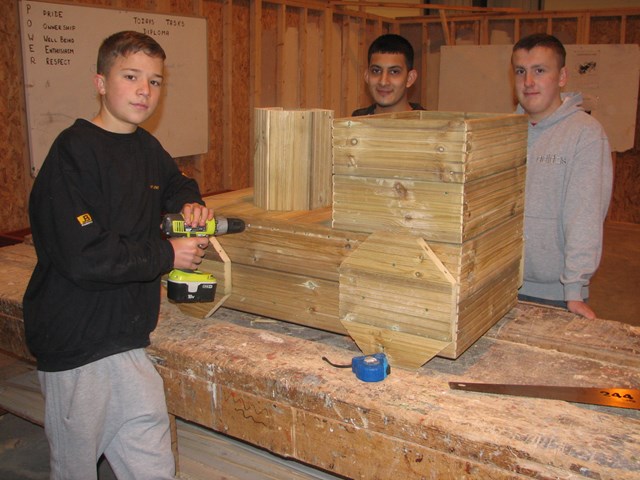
x=302 y=54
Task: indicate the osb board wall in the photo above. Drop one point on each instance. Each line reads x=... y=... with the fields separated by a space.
x=298 y=54
x=14 y=171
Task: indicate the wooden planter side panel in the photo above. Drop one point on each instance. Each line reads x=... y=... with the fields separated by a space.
x=479 y=312
x=291 y=250
x=445 y=212
x=389 y=282
x=292 y=160
x=300 y=299
x=432 y=146
x=397 y=298
x=448 y=176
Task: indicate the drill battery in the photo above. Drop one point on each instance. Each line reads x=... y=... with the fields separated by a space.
x=191 y=286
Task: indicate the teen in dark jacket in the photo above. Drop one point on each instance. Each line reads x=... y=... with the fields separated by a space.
x=94 y=296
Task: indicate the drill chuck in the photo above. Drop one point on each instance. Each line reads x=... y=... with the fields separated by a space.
x=226 y=225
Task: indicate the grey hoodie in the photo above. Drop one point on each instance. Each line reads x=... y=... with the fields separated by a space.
x=568 y=189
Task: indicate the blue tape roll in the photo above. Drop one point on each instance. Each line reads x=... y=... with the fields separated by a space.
x=371 y=368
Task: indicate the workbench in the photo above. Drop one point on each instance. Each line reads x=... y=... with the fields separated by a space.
x=265 y=382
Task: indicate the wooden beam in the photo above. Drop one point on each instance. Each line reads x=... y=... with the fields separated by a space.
x=445 y=27
x=227 y=90
x=304 y=60
x=347 y=81
x=281 y=27
x=424 y=65
x=326 y=57
x=363 y=63
x=255 y=46
x=255 y=69
x=432 y=6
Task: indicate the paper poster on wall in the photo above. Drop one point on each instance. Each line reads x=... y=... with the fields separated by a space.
x=478 y=79
x=59 y=50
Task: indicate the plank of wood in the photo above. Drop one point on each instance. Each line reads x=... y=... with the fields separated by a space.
x=557 y=330
x=207 y=455
x=293 y=158
x=439 y=211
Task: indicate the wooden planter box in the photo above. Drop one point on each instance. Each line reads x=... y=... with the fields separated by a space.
x=419 y=255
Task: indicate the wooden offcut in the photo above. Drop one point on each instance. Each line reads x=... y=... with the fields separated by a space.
x=292 y=162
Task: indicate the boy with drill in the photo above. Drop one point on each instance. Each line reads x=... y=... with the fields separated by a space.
x=94 y=296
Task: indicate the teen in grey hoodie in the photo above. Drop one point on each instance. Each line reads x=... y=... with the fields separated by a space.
x=569 y=179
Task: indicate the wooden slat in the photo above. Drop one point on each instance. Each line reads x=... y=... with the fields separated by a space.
x=293 y=159
x=300 y=299
x=321 y=188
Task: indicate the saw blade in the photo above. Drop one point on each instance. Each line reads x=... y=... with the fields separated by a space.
x=610 y=397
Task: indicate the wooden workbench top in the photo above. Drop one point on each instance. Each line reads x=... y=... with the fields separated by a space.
x=265 y=382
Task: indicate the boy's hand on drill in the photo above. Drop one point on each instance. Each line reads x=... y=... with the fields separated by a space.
x=195 y=214
x=188 y=252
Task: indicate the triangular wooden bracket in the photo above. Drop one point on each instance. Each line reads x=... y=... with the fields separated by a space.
x=227 y=275
x=397 y=297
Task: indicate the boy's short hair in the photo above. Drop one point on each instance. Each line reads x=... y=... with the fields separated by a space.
x=542 y=40
x=125 y=43
x=392 y=43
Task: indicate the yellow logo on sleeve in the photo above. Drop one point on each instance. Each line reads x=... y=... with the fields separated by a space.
x=84 y=219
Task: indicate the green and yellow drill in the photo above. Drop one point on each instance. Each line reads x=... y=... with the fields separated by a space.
x=191 y=286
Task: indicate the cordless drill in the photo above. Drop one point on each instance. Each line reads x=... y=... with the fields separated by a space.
x=190 y=286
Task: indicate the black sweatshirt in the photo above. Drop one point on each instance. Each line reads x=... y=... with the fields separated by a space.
x=95 y=212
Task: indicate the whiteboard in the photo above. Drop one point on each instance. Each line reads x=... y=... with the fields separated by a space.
x=59 y=51
x=479 y=79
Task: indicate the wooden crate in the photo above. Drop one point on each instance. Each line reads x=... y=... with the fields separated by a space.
x=292 y=161
x=421 y=252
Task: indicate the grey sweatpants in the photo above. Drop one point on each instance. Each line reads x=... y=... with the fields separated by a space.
x=115 y=406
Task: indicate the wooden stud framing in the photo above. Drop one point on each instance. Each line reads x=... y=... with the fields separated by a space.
x=326 y=57
x=227 y=89
x=281 y=27
x=256 y=53
x=303 y=58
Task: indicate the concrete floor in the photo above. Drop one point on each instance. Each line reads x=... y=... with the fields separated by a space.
x=24 y=450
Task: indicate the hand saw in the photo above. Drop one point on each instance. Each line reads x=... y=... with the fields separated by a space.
x=610 y=397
